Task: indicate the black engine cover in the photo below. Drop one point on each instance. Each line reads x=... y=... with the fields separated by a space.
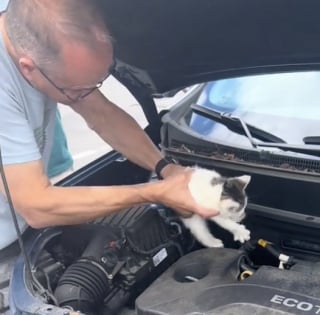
x=206 y=282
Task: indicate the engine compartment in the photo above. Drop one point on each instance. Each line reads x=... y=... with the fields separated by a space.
x=101 y=267
x=143 y=261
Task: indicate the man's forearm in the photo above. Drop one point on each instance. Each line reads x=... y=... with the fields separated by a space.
x=74 y=205
x=119 y=129
x=42 y=204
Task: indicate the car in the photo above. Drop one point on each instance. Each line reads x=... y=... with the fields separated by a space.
x=251 y=72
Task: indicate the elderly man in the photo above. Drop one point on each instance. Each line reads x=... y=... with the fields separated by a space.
x=60 y=51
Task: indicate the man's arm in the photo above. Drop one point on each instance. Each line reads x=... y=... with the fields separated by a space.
x=42 y=204
x=123 y=133
x=118 y=129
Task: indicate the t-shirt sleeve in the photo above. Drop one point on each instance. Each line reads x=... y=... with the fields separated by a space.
x=17 y=139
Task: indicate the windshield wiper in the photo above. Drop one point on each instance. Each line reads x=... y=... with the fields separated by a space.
x=236 y=124
x=312 y=140
x=239 y=126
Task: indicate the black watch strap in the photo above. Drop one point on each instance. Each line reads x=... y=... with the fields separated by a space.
x=161 y=164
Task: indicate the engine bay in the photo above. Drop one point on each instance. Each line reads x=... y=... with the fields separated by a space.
x=101 y=267
x=143 y=261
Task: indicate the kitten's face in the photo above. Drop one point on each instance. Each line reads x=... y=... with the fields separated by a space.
x=233 y=198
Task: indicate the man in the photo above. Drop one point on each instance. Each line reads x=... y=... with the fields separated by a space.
x=60 y=51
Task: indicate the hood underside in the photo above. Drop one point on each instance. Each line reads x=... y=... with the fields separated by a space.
x=182 y=42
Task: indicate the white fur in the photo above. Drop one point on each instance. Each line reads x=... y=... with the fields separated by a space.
x=239 y=231
x=209 y=196
x=199 y=229
x=202 y=191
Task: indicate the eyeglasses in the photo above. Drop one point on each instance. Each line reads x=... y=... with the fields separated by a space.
x=76 y=94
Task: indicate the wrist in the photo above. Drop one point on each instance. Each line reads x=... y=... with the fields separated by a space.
x=162 y=166
x=151 y=192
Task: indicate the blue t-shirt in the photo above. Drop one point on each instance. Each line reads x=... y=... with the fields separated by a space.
x=28 y=122
x=60 y=157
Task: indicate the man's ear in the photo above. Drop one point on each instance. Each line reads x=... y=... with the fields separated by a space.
x=27 y=68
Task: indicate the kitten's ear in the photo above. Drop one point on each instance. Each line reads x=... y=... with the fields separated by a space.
x=241 y=182
x=244 y=180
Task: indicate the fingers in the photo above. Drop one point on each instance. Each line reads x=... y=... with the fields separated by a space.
x=175 y=193
x=185 y=214
x=207 y=213
x=172 y=169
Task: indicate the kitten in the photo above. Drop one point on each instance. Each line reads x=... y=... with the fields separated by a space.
x=227 y=195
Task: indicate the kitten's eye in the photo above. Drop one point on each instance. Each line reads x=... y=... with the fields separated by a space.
x=228 y=184
x=234 y=209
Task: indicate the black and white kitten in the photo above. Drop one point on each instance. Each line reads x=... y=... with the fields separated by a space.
x=227 y=195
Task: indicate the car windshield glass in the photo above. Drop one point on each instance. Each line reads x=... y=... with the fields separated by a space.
x=286 y=105
x=269 y=140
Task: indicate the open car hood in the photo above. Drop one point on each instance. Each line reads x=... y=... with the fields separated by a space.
x=177 y=43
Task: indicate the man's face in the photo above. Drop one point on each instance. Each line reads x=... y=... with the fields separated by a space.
x=77 y=73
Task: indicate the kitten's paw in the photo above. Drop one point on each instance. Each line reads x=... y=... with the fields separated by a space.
x=215 y=243
x=241 y=234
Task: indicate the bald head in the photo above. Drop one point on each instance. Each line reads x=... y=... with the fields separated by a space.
x=38 y=28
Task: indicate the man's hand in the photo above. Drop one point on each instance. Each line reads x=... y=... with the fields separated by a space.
x=174 y=192
x=172 y=169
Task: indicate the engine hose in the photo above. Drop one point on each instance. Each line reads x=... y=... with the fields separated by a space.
x=285 y=260
x=85 y=283
x=83 y=286
x=243 y=266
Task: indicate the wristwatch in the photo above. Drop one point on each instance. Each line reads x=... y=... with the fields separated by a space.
x=161 y=164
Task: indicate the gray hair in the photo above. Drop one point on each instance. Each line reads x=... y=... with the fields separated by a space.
x=36 y=27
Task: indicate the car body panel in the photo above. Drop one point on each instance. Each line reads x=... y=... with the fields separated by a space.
x=179 y=43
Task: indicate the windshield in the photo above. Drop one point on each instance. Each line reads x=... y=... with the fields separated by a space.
x=286 y=105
